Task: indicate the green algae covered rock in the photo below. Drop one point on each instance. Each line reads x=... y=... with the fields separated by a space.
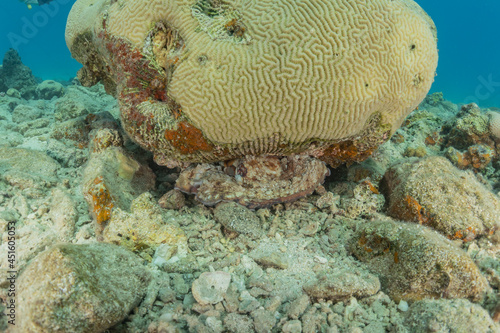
x=49 y=89
x=414 y=262
x=457 y=315
x=79 y=288
x=431 y=191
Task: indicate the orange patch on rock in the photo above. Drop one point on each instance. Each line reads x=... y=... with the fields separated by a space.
x=430 y=141
x=187 y=139
x=466 y=235
x=398 y=138
x=478 y=157
x=372 y=188
x=362 y=242
x=344 y=152
x=376 y=244
x=102 y=203
x=414 y=211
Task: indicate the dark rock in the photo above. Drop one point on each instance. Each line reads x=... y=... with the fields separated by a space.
x=173 y=199
x=14 y=74
x=3 y=85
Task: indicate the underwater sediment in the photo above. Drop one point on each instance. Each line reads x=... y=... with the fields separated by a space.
x=377 y=243
x=406 y=240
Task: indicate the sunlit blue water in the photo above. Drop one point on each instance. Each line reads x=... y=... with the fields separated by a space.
x=469 y=49
x=38 y=36
x=468 y=31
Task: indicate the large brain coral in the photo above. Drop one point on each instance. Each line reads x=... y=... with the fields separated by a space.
x=271 y=87
x=213 y=80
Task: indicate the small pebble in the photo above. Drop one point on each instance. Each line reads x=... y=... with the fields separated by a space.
x=403 y=306
x=292 y=326
x=173 y=199
x=275 y=260
x=210 y=287
x=320 y=260
x=239 y=219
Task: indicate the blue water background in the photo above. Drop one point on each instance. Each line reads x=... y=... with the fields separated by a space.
x=468 y=32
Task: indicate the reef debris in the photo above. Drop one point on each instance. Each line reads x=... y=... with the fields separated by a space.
x=432 y=192
x=415 y=262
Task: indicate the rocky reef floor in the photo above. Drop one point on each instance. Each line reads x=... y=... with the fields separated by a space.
x=406 y=241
